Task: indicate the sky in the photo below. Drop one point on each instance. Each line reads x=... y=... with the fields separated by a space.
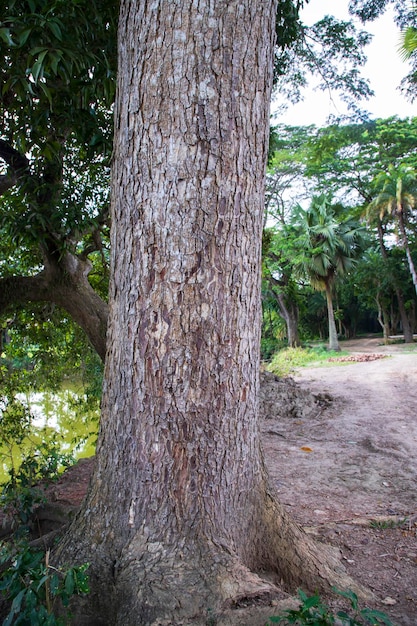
x=384 y=69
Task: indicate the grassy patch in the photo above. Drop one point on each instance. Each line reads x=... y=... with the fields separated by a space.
x=286 y=361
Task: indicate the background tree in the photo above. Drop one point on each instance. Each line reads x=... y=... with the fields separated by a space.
x=58 y=76
x=409 y=42
x=329 y=244
x=397 y=196
x=344 y=160
x=279 y=276
x=179 y=498
x=405 y=17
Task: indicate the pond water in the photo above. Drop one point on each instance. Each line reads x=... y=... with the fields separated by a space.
x=62 y=418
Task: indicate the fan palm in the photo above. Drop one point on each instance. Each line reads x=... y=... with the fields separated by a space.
x=397 y=196
x=330 y=245
x=408 y=42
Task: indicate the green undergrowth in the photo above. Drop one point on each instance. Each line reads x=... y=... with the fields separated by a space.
x=32 y=588
x=312 y=611
x=32 y=591
x=286 y=361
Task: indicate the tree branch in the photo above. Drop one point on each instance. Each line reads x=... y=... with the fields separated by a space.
x=17 y=163
x=67 y=286
x=7 y=182
x=22 y=289
x=12 y=157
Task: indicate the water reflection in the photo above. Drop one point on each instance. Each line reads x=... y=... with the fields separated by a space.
x=65 y=418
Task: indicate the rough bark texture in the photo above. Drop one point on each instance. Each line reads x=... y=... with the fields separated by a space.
x=179 y=520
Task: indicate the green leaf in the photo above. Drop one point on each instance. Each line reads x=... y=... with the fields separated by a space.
x=6 y=36
x=38 y=67
x=17 y=602
x=54 y=584
x=9 y=619
x=349 y=595
x=23 y=36
x=312 y=601
x=47 y=93
x=55 y=29
x=376 y=617
x=55 y=57
x=69 y=583
x=42 y=581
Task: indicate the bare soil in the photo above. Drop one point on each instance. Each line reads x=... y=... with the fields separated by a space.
x=340 y=442
x=346 y=469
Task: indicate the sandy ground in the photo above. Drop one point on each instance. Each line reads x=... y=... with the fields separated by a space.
x=347 y=471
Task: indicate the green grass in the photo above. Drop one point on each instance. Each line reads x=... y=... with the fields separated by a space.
x=286 y=361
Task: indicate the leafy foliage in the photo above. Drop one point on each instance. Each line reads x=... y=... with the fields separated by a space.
x=32 y=587
x=330 y=52
x=313 y=612
x=353 y=162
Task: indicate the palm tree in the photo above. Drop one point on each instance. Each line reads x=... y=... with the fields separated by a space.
x=330 y=243
x=397 y=196
x=408 y=42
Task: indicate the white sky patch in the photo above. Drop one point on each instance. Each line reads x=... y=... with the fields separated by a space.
x=384 y=69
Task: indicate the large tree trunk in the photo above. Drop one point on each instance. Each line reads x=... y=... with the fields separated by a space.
x=179 y=518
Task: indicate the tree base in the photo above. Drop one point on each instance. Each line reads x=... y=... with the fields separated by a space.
x=199 y=583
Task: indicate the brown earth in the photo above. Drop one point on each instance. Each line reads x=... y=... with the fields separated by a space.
x=347 y=470
x=340 y=442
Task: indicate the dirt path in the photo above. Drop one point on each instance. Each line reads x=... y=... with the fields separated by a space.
x=354 y=463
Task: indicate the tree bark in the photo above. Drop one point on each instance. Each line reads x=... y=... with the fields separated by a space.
x=383 y=318
x=179 y=517
x=405 y=245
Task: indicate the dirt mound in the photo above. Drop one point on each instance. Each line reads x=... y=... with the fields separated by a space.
x=283 y=397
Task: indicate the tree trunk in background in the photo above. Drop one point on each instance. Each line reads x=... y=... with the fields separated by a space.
x=333 y=340
x=405 y=322
x=383 y=318
x=405 y=245
x=179 y=518
x=289 y=312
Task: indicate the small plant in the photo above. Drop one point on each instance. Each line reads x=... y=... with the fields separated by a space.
x=313 y=612
x=387 y=523
x=32 y=587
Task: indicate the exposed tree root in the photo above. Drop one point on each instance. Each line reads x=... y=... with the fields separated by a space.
x=297 y=559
